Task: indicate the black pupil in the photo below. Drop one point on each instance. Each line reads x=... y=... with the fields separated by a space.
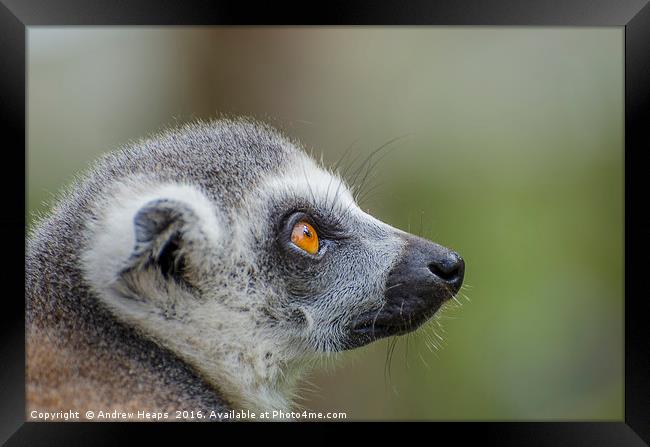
x=306 y=231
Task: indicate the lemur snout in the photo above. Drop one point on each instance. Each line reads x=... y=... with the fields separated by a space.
x=425 y=276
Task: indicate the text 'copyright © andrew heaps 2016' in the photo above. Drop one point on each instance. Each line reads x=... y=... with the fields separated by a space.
x=117 y=415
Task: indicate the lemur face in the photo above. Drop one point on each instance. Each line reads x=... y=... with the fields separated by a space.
x=227 y=244
x=345 y=278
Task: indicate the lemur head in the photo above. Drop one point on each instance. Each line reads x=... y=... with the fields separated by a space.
x=228 y=244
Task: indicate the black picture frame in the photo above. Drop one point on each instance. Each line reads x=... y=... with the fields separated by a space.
x=634 y=15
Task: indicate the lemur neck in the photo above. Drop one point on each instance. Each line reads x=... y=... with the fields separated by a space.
x=251 y=378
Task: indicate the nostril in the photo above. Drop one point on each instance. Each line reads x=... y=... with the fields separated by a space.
x=448 y=268
x=447 y=275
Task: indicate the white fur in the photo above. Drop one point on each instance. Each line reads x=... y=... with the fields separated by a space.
x=306 y=179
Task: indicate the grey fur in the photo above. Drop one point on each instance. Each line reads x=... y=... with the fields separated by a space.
x=239 y=282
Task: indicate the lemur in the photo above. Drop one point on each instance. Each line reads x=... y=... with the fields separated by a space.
x=206 y=267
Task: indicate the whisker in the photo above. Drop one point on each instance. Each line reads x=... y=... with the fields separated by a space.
x=335 y=169
x=394 y=285
x=371 y=165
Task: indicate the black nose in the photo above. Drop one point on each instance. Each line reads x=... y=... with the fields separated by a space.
x=449 y=267
x=427 y=271
x=426 y=275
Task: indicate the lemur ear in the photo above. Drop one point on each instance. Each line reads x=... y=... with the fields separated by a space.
x=164 y=228
x=147 y=241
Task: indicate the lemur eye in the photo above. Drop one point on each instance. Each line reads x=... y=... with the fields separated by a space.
x=304 y=236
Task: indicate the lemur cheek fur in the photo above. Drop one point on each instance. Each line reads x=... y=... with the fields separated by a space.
x=205 y=268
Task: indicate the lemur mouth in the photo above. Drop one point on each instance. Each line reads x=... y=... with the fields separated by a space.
x=378 y=329
x=375 y=325
x=426 y=276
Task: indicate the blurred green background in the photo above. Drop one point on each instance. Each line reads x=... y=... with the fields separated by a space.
x=514 y=157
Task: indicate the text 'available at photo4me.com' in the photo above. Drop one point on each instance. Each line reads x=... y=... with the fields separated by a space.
x=142 y=415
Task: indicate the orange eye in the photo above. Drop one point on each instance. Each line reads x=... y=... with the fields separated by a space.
x=305 y=237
